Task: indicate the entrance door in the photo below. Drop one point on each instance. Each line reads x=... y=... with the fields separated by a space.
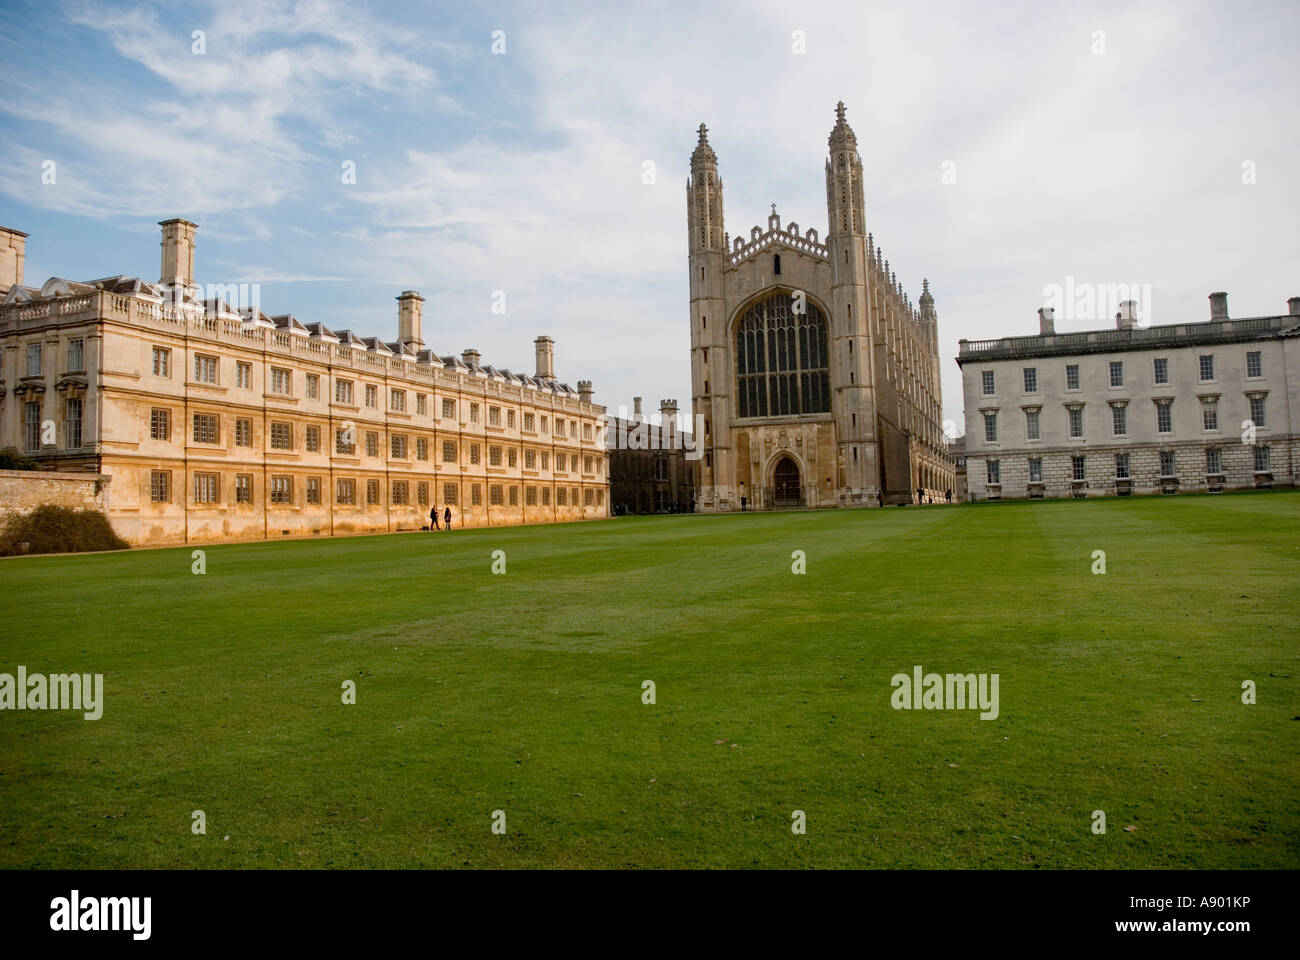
x=786 y=484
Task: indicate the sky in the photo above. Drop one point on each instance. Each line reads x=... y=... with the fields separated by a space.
x=541 y=150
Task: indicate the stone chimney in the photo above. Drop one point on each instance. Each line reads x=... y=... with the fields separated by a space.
x=177 y=252
x=636 y=408
x=1127 y=315
x=584 y=391
x=1292 y=305
x=410 y=309
x=545 y=358
x=1046 y=321
x=1219 y=306
x=470 y=356
x=13 y=254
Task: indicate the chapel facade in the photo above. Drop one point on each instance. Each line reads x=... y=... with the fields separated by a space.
x=814 y=376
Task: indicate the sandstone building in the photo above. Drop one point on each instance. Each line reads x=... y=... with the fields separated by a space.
x=816 y=378
x=215 y=422
x=1202 y=406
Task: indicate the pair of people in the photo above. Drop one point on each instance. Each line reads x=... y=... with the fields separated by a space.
x=433 y=519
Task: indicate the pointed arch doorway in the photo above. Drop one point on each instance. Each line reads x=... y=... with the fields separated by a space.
x=786 y=489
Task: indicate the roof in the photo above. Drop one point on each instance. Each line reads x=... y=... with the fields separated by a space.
x=1134 y=338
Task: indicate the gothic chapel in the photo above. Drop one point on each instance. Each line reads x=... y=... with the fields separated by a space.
x=816 y=379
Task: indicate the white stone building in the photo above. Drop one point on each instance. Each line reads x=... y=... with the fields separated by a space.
x=1165 y=409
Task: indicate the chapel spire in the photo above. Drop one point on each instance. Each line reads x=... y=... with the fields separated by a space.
x=704 y=157
x=844 y=201
x=704 y=197
x=842 y=136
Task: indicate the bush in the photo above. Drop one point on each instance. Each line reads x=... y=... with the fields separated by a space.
x=11 y=459
x=59 y=530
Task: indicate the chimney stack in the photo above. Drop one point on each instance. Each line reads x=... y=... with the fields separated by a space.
x=410 y=309
x=1127 y=316
x=470 y=356
x=1293 y=305
x=13 y=254
x=177 y=252
x=545 y=358
x=584 y=391
x=1219 y=306
x=636 y=408
x=1046 y=321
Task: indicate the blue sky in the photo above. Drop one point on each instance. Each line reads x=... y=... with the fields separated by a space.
x=1118 y=163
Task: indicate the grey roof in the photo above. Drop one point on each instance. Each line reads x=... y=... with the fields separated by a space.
x=1134 y=338
x=322 y=332
x=289 y=323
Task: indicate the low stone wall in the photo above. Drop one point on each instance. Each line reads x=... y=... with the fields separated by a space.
x=22 y=491
x=215 y=524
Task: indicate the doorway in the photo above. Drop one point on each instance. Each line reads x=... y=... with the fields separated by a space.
x=785 y=482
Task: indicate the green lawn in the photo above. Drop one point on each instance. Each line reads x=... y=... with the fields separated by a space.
x=523 y=693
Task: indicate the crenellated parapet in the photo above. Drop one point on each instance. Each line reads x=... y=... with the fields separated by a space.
x=777 y=236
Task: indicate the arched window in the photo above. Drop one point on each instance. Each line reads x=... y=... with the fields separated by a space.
x=781 y=359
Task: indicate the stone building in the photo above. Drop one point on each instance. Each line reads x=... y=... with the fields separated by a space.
x=218 y=422
x=1206 y=406
x=957 y=451
x=816 y=378
x=649 y=469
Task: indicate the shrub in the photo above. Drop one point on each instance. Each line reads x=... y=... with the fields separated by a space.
x=51 y=529
x=11 y=459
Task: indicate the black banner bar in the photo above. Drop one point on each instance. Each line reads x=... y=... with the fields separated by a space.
x=333 y=909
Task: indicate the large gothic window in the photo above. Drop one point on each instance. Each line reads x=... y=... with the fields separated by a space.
x=781 y=359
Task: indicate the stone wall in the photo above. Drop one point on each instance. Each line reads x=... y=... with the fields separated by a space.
x=1237 y=472
x=22 y=491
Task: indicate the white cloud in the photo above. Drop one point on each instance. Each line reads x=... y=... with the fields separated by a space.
x=218 y=132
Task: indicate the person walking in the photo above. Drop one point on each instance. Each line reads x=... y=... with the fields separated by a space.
x=433 y=518
x=446 y=515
